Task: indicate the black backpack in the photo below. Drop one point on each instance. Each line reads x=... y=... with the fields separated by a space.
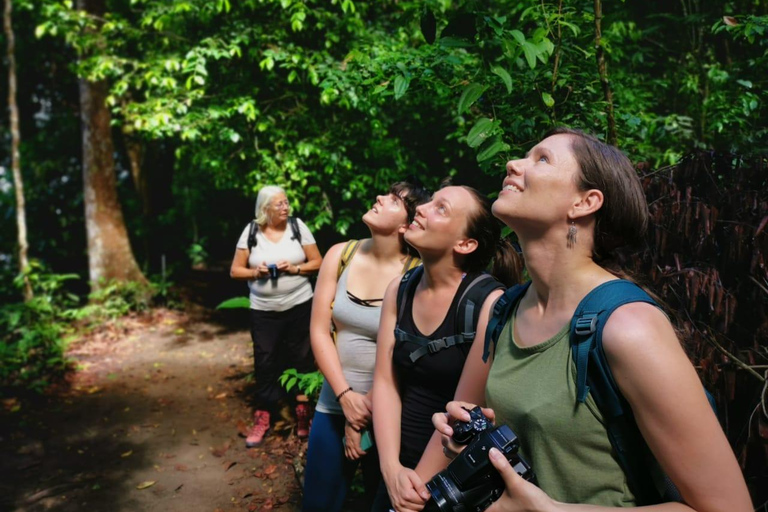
x=254 y=228
x=467 y=312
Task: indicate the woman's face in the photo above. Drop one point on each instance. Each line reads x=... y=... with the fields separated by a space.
x=442 y=222
x=540 y=188
x=278 y=208
x=388 y=213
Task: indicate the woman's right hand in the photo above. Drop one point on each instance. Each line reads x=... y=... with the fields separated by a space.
x=442 y=421
x=406 y=490
x=352 y=449
x=357 y=409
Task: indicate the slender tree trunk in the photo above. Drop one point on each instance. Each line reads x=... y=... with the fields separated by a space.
x=18 y=182
x=109 y=250
x=600 y=55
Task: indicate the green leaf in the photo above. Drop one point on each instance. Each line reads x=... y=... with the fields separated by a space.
x=401 y=85
x=519 y=37
x=480 y=132
x=548 y=99
x=237 y=302
x=471 y=94
x=530 y=51
x=490 y=148
x=502 y=73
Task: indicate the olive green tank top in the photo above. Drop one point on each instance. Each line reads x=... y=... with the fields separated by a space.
x=533 y=391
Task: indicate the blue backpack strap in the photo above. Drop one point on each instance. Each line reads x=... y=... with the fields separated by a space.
x=501 y=311
x=593 y=376
x=406 y=283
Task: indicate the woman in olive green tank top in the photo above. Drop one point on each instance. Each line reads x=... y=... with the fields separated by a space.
x=573 y=201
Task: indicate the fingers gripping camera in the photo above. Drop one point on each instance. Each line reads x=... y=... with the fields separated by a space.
x=470 y=482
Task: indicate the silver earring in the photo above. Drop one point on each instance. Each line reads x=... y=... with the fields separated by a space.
x=572 y=235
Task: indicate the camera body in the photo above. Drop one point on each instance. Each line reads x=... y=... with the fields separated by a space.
x=470 y=482
x=272 y=271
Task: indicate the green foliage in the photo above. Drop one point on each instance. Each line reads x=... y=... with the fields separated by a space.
x=235 y=303
x=308 y=383
x=112 y=300
x=197 y=254
x=33 y=334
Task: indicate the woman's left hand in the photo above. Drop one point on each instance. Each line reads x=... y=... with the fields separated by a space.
x=284 y=267
x=519 y=495
x=352 y=448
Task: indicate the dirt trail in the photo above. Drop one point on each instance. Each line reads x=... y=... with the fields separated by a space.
x=159 y=402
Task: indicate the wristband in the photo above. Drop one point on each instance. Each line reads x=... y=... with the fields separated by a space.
x=338 y=397
x=298 y=270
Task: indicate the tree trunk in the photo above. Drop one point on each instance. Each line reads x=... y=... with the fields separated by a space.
x=18 y=182
x=600 y=56
x=109 y=251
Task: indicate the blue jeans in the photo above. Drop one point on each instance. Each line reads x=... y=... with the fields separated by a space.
x=329 y=473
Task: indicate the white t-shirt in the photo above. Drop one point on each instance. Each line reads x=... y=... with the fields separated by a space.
x=287 y=290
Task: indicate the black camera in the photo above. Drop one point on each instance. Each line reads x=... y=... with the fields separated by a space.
x=470 y=482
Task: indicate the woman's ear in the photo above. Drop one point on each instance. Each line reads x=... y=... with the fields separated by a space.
x=590 y=201
x=465 y=246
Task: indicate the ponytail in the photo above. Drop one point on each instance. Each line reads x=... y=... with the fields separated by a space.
x=507 y=263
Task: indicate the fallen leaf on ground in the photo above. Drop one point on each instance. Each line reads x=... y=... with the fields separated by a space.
x=144 y=485
x=127 y=454
x=270 y=469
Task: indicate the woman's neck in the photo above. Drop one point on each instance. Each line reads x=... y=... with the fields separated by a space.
x=385 y=247
x=561 y=275
x=277 y=225
x=441 y=272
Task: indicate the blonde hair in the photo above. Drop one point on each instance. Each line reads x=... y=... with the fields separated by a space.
x=263 y=199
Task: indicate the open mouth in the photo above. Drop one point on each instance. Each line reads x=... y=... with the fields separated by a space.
x=416 y=224
x=512 y=188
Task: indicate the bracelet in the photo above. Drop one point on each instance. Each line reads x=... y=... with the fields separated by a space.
x=298 y=270
x=338 y=397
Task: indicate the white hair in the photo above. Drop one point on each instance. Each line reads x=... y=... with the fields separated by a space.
x=263 y=199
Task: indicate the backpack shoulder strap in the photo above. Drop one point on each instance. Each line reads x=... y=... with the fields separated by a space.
x=409 y=280
x=501 y=311
x=346 y=256
x=588 y=323
x=295 y=229
x=593 y=376
x=252 y=230
x=411 y=262
x=471 y=302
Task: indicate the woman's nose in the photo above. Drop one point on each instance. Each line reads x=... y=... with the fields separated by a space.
x=514 y=167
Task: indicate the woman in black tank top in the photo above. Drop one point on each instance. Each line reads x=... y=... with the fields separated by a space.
x=456 y=236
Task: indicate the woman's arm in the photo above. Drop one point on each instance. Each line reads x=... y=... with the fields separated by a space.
x=357 y=407
x=672 y=412
x=239 y=269
x=471 y=388
x=406 y=491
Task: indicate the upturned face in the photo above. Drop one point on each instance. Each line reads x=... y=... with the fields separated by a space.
x=540 y=188
x=441 y=224
x=388 y=213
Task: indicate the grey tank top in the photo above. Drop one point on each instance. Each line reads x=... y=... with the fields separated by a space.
x=356 y=329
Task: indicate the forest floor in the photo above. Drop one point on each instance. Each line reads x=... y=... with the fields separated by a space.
x=153 y=418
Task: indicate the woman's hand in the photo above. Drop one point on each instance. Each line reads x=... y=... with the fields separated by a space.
x=519 y=495
x=455 y=410
x=406 y=490
x=352 y=448
x=284 y=267
x=357 y=409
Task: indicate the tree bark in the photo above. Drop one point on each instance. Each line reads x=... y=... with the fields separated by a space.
x=18 y=182
x=601 y=69
x=109 y=251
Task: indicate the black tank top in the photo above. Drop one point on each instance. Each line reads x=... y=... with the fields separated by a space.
x=428 y=384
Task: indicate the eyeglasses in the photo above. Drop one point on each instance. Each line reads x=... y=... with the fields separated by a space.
x=281 y=204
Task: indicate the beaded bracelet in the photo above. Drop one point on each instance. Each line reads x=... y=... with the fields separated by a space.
x=338 y=397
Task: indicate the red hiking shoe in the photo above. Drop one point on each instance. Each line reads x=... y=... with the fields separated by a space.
x=302 y=420
x=259 y=429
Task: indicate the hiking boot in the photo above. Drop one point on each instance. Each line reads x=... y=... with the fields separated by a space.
x=302 y=420
x=259 y=429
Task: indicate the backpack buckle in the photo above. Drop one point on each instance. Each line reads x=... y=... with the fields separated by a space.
x=586 y=324
x=436 y=345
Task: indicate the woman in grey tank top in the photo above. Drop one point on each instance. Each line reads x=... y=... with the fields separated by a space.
x=348 y=296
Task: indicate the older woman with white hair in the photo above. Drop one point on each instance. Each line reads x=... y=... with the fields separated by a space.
x=275 y=254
